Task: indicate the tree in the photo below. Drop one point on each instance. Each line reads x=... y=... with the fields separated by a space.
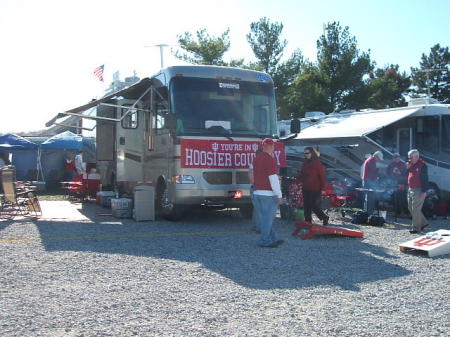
x=283 y=78
x=433 y=74
x=342 y=67
x=264 y=39
x=206 y=50
x=386 y=88
x=307 y=92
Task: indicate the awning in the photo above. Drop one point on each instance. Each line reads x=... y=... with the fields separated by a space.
x=131 y=92
x=354 y=125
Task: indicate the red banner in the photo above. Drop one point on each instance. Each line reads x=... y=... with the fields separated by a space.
x=201 y=153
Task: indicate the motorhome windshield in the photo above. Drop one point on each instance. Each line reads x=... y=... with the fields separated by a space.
x=223 y=107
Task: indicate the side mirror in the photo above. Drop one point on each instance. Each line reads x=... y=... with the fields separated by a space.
x=169 y=121
x=295 y=126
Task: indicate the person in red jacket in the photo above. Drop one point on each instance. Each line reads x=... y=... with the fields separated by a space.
x=313 y=179
x=417 y=187
x=69 y=167
x=396 y=170
x=369 y=179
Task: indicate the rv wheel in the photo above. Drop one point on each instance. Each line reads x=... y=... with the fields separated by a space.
x=169 y=210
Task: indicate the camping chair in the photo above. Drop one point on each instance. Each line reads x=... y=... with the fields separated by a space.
x=336 y=197
x=14 y=202
x=76 y=189
x=92 y=184
x=84 y=186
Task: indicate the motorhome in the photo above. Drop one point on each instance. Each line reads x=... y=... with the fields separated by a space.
x=345 y=139
x=190 y=131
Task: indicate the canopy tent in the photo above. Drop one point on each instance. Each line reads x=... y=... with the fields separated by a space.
x=24 y=154
x=354 y=125
x=65 y=140
x=13 y=142
x=54 y=151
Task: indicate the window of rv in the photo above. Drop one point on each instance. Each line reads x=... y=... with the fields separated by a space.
x=223 y=107
x=427 y=134
x=446 y=134
x=130 y=121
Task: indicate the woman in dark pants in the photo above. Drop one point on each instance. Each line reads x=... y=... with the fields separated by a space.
x=312 y=177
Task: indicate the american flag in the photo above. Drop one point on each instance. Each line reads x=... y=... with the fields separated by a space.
x=99 y=72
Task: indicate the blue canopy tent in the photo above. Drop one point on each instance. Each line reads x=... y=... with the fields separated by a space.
x=54 y=150
x=24 y=154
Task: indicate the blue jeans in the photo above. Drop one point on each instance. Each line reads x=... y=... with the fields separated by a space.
x=369 y=198
x=255 y=220
x=266 y=210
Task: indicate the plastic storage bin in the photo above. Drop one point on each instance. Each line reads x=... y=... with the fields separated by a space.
x=104 y=198
x=122 y=207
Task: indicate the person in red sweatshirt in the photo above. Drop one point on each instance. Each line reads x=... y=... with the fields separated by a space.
x=396 y=170
x=369 y=180
x=266 y=193
x=417 y=187
x=313 y=179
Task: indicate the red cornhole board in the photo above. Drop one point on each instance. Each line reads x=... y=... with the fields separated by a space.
x=313 y=229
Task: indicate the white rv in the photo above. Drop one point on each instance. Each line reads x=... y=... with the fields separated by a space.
x=190 y=131
x=344 y=139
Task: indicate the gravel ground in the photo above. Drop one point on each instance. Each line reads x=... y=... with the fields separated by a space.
x=79 y=272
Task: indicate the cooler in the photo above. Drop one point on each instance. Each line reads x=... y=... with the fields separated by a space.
x=144 y=203
x=121 y=207
x=104 y=198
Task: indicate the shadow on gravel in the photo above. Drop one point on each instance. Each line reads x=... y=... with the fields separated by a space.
x=223 y=243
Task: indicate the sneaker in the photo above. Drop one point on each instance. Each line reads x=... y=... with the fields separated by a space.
x=325 y=220
x=423 y=227
x=279 y=242
x=274 y=244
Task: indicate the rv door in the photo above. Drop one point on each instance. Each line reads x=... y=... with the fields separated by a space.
x=404 y=141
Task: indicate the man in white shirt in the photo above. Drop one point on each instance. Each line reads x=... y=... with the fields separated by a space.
x=79 y=165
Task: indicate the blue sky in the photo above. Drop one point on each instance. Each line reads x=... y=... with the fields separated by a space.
x=50 y=47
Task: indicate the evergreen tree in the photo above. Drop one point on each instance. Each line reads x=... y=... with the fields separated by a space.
x=433 y=75
x=264 y=39
x=342 y=67
x=206 y=50
x=283 y=78
x=307 y=92
x=386 y=88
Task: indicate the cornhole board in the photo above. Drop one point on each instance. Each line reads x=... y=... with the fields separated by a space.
x=307 y=230
x=433 y=243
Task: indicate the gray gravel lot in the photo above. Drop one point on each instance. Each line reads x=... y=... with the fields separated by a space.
x=79 y=272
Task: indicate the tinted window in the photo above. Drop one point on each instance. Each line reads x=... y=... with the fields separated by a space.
x=207 y=106
x=427 y=134
x=446 y=134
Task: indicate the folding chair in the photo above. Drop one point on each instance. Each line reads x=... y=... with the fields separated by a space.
x=14 y=202
x=92 y=187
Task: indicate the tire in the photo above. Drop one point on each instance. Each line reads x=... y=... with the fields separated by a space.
x=246 y=211
x=169 y=210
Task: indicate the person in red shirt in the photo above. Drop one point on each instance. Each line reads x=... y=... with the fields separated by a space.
x=313 y=179
x=69 y=167
x=396 y=170
x=369 y=178
x=266 y=193
x=417 y=187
